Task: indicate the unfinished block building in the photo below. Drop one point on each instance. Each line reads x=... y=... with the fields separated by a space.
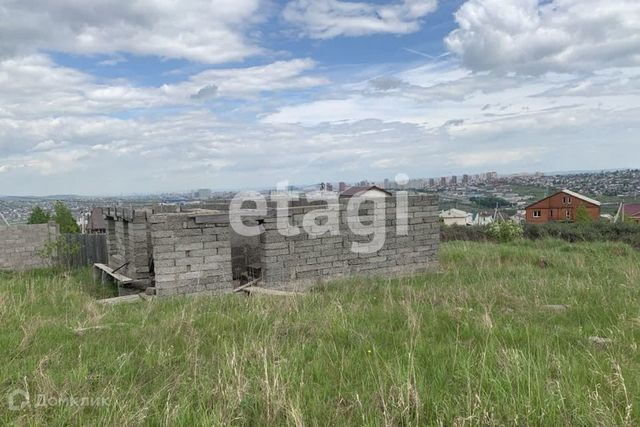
x=175 y=251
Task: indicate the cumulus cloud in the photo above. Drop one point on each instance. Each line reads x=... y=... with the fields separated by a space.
x=206 y=92
x=325 y=19
x=34 y=86
x=183 y=151
x=385 y=83
x=66 y=130
x=249 y=81
x=534 y=36
x=198 y=30
x=484 y=120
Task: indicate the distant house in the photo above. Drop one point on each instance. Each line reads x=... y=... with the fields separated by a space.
x=632 y=212
x=456 y=217
x=365 y=191
x=483 y=218
x=96 y=223
x=520 y=216
x=607 y=217
x=561 y=206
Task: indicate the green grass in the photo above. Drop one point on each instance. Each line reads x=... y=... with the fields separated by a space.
x=471 y=345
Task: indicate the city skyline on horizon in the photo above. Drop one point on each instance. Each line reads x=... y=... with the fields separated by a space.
x=499 y=175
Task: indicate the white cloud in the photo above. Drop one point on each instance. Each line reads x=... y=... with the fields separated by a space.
x=493 y=158
x=325 y=19
x=34 y=86
x=195 y=149
x=534 y=37
x=249 y=81
x=65 y=130
x=198 y=30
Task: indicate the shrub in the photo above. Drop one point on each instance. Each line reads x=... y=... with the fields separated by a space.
x=586 y=232
x=59 y=253
x=504 y=231
x=472 y=233
x=594 y=231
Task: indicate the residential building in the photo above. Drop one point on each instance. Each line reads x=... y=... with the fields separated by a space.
x=482 y=219
x=456 y=217
x=202 y=194
x=95 y=222
x=632 y=212
x=365 y=191
x=562 y=206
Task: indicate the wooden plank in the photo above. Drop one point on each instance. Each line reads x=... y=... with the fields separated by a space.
x=128 y=299
x=264 y=291
x=117 y=276
x=246 y=285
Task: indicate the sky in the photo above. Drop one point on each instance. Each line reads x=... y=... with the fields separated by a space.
x=158 y=95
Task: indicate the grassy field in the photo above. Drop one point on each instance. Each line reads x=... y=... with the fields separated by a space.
x=473 y=344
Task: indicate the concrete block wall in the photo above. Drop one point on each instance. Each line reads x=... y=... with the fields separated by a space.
x=298 y=261
x=191 y=253
x=129 y=241
x=197 y=251
x=245 y=250
x=20 y=245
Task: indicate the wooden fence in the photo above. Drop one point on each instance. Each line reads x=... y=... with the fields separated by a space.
x=89 y=249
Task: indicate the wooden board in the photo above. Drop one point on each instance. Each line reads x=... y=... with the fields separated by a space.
x=264 y=291
x=127 y=299
x=120 y=300
x=246 y=285
x=116 y=276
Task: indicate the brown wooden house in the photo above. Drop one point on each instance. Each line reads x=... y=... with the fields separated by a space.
x=561 y=206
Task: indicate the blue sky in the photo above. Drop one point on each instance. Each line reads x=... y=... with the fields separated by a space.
x=168 y=96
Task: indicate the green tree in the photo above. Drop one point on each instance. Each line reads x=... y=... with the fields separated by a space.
x=64 y=218
x=582 y=215
x=39 y=216
x=490 y=202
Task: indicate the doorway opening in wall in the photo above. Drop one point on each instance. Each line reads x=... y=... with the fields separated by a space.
x=246 y=255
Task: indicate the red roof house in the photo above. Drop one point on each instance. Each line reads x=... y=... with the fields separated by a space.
x=632 y=211
x=562 y=206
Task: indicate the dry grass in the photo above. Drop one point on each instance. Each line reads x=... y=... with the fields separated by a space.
x=471 y=345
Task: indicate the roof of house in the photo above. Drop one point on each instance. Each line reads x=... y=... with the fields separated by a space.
x=580 y=196
x=453 y=213
x=353 y=191
x=96 y=220
x=632 y=209
x=570 y=193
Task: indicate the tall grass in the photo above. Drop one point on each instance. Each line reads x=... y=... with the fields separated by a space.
x=472 y=344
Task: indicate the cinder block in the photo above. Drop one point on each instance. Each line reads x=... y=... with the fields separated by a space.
x=189 y=246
